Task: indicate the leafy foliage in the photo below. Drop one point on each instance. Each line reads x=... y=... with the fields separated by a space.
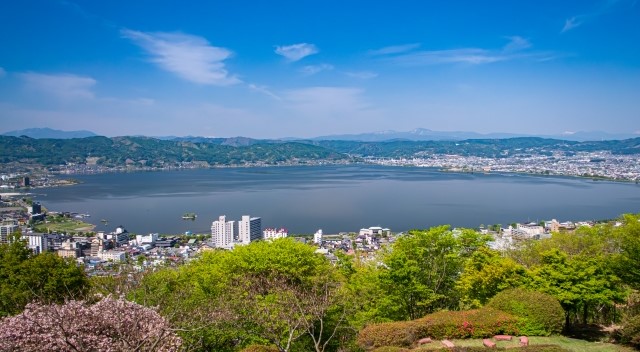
x=421 y=269
x=539 y=314
x=145 y=151
x=25 y=277
x=578 y=283
x=445 y=324
x=485 y=274
x=630 y=332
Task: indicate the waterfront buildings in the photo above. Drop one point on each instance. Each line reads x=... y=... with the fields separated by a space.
x=317 y=237
x=273 y=233
x=6 y=229
x=249 y=229
x=223 y=232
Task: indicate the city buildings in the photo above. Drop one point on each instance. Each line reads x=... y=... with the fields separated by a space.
x=249 y=229
x=273 y=233
x=317 y=237
x=225 y=234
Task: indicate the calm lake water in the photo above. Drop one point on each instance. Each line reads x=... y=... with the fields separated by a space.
x=334 y=198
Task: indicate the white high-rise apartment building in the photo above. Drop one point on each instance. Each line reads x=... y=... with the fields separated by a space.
x=37 y=242
x=317 y=237
x=223 y=232
x=249 y=229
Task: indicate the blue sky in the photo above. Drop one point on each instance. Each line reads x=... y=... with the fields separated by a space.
x=269 y=69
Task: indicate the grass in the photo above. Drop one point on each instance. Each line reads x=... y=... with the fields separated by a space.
x=67 y=225
x=567 y=343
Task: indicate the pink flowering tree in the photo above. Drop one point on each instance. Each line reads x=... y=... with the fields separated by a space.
x=109 y=325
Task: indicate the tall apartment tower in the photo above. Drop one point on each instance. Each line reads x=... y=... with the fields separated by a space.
x=223 y=232
x=249 y=229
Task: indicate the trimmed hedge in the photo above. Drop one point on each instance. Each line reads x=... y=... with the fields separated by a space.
x=630 y=333
x=397 y=333
x=478 y=323
x=539 y=314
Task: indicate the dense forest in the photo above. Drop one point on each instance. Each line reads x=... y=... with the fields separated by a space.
x=152 y=152
x=283 y=296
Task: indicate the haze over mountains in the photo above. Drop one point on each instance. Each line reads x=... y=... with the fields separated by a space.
x=418 y=134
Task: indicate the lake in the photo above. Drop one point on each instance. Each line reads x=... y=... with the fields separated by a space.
x=334 y=198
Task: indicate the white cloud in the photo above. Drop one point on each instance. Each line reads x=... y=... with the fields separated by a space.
x=296 y=52
x=516 y=43
x=190 y=57
x=513 y=50
x=362 y=74
x=604 y=8
x=313 y=69
x=63 y=86
x=571 y=23
x=395 y=49
x=472 y=56
x=2 y=72
x=263 y=90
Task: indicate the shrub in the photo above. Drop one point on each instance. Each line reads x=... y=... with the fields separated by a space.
x=260 y=348
x=390 y=349
x=539 y=314
x=477 y=323
x=398 y=334
x=630 y=333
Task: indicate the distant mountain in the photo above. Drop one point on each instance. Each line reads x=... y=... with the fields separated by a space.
x=423 y=134
x=39 y=133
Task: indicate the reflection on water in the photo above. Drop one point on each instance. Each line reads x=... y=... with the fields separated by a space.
x=335 y=198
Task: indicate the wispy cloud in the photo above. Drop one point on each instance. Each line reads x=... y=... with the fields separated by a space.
x=395 y=49
x=313 y=69
x=571 y=23
x=264 y=90
x=190 y=57
x=362 y=74
x=516 y=43
x=2 y=72
x=296 y=52
x=63 y=86
x=515 y=49
x=605 y=7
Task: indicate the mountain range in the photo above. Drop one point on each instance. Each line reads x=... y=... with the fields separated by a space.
x=418 y=134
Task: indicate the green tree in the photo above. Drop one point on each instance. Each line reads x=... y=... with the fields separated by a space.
x=581 y=284
x=485 y=274
x=25 y=277
x=420 y=271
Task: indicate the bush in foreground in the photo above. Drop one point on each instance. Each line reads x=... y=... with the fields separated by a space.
x=477 y=323
x=260 y=348
x=539 y=314
x=109 y=325
x=630 y=333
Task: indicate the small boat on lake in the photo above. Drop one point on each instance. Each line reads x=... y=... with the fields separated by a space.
x=189 y=216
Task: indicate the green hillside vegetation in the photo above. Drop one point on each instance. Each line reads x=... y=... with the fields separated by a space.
x=159 y=153
x=438 y=282
x=152 y=152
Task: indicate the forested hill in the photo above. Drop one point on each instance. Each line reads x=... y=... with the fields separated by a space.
x=152 y=152
x=490 y=148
